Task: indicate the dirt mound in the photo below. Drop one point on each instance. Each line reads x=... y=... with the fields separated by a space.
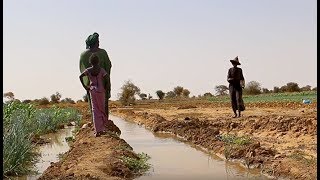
x=91 y=157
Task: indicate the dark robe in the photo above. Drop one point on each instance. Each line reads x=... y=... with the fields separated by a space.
x=235 y=90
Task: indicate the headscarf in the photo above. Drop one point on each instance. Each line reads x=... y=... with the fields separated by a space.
x=92 y=39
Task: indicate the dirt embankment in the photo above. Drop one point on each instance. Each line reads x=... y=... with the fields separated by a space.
x=93 y=157
x=282 y=136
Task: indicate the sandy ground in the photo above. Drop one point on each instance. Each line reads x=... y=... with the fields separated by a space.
x=284 y=134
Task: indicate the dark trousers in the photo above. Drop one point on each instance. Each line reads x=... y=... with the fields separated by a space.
x=236 y=98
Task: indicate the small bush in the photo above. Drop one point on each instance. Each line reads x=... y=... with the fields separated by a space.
x=55 y=98
x=178 y=90
x=160 y=94
x=68 y=100
x=128 y=91
x=43 y=101
x=252 y=88
x=137 y=165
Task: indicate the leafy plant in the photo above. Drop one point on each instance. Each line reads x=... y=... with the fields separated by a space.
x=138 y=165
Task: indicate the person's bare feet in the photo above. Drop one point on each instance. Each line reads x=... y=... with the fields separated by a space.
x=98 y=134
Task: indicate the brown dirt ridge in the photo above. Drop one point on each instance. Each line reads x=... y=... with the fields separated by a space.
x=93 y=157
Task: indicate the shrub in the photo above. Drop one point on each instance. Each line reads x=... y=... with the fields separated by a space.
x=128 y=92
x=26 y=101
x=43 y=101
x=178 y=90
x=160 y=94
x=276 y=89
x=208 y=94
x=292 y=87
x=143 y=96
x=185 y=92
x=68 y=100
x=253 y=87
x=55 y=98
x=170 y=94
x=265 y=90
x=306 y=88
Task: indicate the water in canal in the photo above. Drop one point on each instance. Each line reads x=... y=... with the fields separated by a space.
x=174 y=159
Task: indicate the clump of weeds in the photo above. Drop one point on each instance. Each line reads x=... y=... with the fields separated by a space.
x=138 y=165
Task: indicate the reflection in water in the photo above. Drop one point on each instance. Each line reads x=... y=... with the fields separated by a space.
x=173 y=159
x=50 y=151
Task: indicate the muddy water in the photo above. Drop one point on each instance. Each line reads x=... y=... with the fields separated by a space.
x=50 y=151
x=173 y=159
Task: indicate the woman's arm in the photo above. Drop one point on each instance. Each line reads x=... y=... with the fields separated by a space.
x=81 y=80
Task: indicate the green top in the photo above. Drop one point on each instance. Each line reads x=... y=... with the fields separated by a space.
x=104 y=62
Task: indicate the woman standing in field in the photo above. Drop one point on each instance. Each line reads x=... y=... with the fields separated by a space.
x=97 y=90
x=236 y=83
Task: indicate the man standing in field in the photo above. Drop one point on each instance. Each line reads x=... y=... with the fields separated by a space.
x=92 y=46
x=236 y=83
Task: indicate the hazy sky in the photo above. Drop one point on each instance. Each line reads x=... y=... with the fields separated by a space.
x=158 y=44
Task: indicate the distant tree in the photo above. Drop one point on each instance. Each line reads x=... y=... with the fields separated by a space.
x=9 y=96
x=284 y=88
x=26 y=101
x=170 y=94
x=128 y=92
x=79 y=101
x=221 y=90
x=314 y=89
x=276 y=89
x=85 y=98
x=68 y=100
x=143 y=96
x=149 y=96
x=253 y=87
x=265 y=90
x=207 y=94
x=44 y=101
x=292 y=87
x=160 y=94
x=185 y=92
x=55 y=98
x=178 y=90
x=306 y=88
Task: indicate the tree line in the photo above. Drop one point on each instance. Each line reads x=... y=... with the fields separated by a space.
x=129 y=90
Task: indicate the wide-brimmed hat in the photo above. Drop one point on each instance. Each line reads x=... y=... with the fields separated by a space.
x=235 y=60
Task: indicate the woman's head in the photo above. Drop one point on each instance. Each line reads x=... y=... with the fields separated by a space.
x=92 y=41
x=94 y=60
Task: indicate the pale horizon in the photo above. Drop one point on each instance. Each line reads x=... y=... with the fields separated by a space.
x=158 y=44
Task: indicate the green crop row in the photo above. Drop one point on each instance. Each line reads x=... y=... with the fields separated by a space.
x=271 y=97
x=23 y=122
